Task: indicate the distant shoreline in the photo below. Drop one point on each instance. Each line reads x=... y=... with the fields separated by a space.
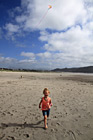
x=87 y=70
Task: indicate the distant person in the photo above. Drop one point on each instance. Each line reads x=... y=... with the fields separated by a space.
x=45 y=105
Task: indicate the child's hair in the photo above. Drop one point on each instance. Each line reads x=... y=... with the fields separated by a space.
x=45 y=89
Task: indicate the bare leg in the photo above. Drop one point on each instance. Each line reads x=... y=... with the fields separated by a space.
x=45 y=121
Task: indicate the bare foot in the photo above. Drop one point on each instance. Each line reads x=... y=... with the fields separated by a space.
x=46 y=127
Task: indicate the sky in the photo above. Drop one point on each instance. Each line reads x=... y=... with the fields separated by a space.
x=32 y=36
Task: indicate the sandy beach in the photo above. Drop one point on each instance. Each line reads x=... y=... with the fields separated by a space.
x=71 y=116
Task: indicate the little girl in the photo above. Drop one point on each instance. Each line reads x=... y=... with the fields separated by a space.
x=46 y=105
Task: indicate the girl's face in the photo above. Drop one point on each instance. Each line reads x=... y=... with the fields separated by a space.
x=46 y=93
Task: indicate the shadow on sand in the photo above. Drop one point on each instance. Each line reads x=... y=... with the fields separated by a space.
x=32 y=125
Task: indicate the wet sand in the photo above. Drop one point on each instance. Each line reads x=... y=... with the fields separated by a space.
x=71 y=117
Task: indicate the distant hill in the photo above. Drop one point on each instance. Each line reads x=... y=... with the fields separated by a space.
x=88 y=69
x=22 y=70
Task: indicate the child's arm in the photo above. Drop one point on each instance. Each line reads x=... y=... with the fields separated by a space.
x=40 y=103
x=51 y=103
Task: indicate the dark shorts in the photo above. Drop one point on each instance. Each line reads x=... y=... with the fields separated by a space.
x=46 y=112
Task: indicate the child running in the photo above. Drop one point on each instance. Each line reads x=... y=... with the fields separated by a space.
x=46 y=105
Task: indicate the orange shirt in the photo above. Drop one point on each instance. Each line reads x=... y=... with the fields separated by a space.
x=46 y=104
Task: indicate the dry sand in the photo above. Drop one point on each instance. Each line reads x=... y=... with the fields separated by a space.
x=71 y=116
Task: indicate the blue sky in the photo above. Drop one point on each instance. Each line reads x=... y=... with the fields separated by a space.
x=33 y=37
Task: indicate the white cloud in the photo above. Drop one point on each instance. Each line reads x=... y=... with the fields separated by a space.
x=63 y=14
x=89 y=26
x=26 y=61
x=28 y=54
x=11 y=31
x=7 y=62
x=11 y=28
x=44 y=55
x=75 y=38
x=74 y=46
x=48 y=60
x=21 y=19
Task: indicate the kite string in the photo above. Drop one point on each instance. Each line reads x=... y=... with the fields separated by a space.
x=42 y=18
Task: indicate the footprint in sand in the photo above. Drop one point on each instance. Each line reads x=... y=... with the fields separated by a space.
x=10 y=138
x=1 y=137
x=26 y=135
x=71 y=133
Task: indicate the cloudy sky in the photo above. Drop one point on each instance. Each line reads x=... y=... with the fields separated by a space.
x=33 y=36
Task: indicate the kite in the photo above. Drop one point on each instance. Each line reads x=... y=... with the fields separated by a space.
x=49 y=7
